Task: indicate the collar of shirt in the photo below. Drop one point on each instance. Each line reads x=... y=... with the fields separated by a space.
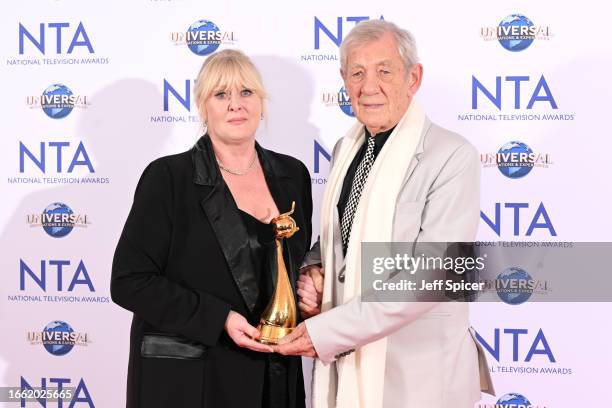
x=379 y=139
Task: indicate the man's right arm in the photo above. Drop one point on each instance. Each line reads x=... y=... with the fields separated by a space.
x=310 y=283
x=313 y=257
x=312 y=272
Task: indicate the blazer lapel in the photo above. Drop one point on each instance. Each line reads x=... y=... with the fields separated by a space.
x=418 y=152
x=222 y=213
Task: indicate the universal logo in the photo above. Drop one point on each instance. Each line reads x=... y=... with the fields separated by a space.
x=340 y=99
x=203 y=37
x=515 y=32
x=58 y=338
x=58 y=220
x=515 y=160
x=57 y=101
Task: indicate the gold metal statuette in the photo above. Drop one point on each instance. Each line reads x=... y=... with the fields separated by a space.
x=280 y=317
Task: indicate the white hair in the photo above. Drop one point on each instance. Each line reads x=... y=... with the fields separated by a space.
x=372 y=30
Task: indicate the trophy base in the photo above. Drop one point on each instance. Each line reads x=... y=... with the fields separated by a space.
x=272 y=334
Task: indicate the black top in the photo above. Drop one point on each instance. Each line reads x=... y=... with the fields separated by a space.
x=263 y=252
x=379 y=142
x=262 y=248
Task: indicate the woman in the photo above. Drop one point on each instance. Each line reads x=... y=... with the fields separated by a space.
x=191 y=262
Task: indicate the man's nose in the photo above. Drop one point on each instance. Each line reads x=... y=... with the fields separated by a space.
x=371 y=84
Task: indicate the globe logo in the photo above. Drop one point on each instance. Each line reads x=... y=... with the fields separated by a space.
x=511 y=41
x=513 y=400
x=57 y=220
x=56 y=338
x=203 y=37
x=345 y=103
x=57 y=101
x=513 y=286
x=515 y=159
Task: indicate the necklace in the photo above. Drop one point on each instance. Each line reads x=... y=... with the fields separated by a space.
x=238 y=172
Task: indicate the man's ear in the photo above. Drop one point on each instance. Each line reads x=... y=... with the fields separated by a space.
x=415 y=77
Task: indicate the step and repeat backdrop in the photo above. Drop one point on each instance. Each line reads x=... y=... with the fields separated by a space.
x=94 y=91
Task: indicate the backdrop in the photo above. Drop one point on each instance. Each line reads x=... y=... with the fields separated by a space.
x=96 y=90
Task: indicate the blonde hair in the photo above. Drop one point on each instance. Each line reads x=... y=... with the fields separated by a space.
x=225 y=70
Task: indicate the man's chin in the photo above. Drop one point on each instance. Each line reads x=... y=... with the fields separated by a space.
x=372 y=123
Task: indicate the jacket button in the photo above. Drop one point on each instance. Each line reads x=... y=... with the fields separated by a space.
x=341 y=277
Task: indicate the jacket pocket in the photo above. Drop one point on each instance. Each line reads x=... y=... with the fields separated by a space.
x=157 y=345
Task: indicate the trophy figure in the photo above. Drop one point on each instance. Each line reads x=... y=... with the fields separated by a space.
x=280 y=316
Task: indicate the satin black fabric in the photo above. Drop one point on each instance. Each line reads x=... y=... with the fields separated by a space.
x=263 y=253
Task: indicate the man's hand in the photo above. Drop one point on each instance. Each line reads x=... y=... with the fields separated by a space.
x=243 y=333
x=297 y=343
x=310 y=290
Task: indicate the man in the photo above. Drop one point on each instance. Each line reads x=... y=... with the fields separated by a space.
x=396 y=177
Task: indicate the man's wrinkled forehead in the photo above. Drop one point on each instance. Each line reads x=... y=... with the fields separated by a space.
x=360 y=64
x=380 y=52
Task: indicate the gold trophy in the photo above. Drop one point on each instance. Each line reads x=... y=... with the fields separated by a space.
x=280 y=317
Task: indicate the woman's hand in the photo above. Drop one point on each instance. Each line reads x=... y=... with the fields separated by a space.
x=243 y=333
x=310 y=290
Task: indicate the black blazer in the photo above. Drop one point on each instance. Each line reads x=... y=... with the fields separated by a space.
x=182 y=263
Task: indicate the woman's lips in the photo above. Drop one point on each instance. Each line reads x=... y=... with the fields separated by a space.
x=237 y=121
